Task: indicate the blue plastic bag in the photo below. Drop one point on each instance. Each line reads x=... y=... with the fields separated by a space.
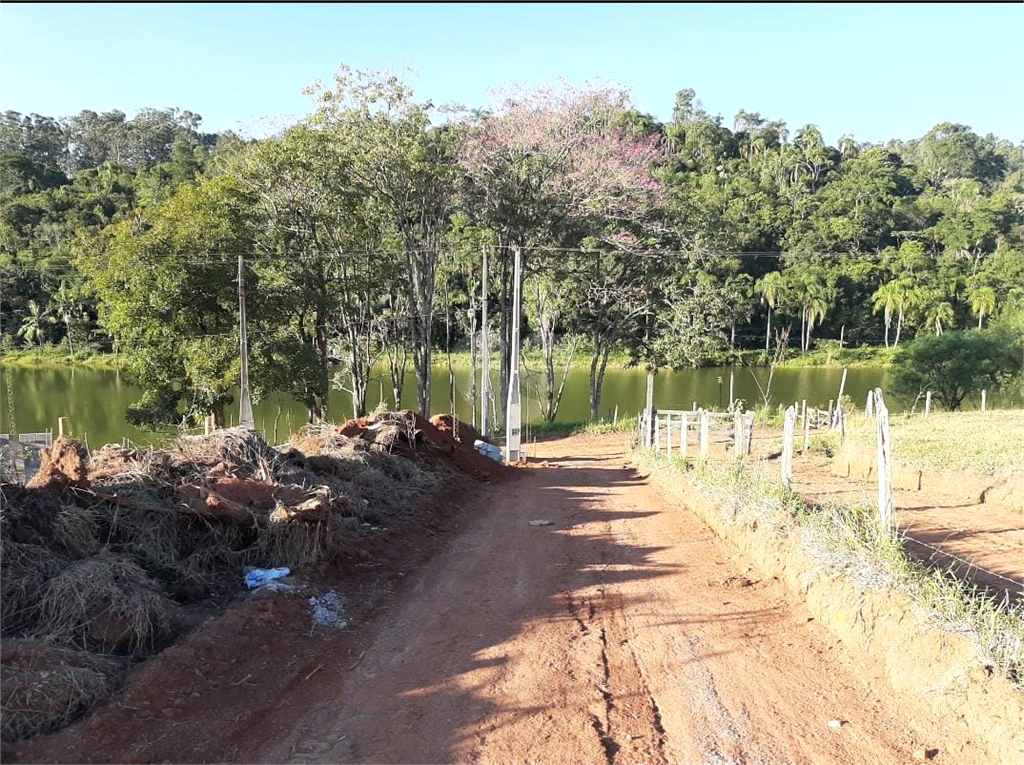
x=260 y=576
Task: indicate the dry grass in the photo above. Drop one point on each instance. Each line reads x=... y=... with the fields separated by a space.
x=989 y=442
x=105 y=601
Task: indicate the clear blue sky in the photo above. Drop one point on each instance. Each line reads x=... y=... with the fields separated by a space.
x=876 y=71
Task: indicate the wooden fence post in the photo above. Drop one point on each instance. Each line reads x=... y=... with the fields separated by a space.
x=62 y=427
x=615 y=418
x=684 y=432
x=927 y=404
x=657 y=433
x=983 y=392
x=731 y=399
x=831 y=402
x=787 y=447
x=803 y=413
x=668 y=434
x=705 y=421
x=869 y=405
x=885 y=503
x=807 y=435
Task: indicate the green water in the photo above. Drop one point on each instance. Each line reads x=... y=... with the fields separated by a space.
x=95 y=400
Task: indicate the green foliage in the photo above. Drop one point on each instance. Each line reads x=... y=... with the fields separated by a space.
x=367 y=220
x=955 y=365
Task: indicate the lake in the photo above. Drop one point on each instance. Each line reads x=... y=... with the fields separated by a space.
x=95 y=400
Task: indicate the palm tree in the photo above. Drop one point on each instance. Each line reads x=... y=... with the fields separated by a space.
x=892 y=298
x=983 y=302
x=939 y=313
x=33 y=326
x=771 y=286
x=816 y=309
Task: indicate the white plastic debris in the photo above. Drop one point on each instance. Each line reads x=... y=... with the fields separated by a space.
x=328 y=610
x=542 y=522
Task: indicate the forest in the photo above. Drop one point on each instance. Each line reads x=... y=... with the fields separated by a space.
x=363 y=227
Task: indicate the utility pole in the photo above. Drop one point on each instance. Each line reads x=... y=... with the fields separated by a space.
x=244 y=400
x=485 y=349
x=513 y=412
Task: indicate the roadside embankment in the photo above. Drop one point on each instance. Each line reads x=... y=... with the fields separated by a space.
x=948 y=651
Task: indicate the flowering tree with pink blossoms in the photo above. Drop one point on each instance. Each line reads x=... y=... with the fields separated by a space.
x=548 y=167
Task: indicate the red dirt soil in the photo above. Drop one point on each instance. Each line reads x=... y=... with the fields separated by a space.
x=947 y=515
x=622 y=632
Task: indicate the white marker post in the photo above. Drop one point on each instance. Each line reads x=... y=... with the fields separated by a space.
x=514 y=414
x=787 y=447
x=485 y=342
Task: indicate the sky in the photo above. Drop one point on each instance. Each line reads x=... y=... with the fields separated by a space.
x=876 y=71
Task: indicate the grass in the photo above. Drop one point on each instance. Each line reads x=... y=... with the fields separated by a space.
x=847 y=541
x=826 y=354
x=58 y=356
x=624 y=425
x=989 y=442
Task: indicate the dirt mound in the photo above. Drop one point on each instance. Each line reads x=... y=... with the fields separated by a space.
x=461 y=431
x=62 y=465
x=108 y=554
x=45 y=687
x=429 y=442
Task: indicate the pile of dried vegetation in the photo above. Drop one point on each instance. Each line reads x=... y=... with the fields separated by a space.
x=103 y=555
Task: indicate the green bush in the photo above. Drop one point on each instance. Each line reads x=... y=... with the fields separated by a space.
x=955 y=365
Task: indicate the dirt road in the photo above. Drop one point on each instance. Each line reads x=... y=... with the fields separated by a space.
x=622 y=632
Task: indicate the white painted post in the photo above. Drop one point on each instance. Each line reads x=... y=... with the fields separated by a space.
x=683 y=433
x=983 y=392
x=869 y=406
x=695 y=406
x=705 y=421
x=807 y=434
x=668 y=434
x=803 y=414
x=787 y=447
x=657 y=433
x=927 y=404
x=615 y=419
x=731 y=399
x=737 y=434
x=885 y=503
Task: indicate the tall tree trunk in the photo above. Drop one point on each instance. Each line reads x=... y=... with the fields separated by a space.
x=768 y=330
x=598 y=365
x=324 y=359
x=899 y=325
x=71 y=345
x=981 y=315
x=888 y=321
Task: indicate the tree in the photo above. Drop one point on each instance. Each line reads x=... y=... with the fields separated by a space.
x=771 y=287
x=891 y=298
x=954 y=365
x=168 y=291
x=405 y=169
x=983 y=302
x=33 y=326
x=549 y=167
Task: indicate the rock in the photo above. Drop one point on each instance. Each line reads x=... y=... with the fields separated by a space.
x=541 y=522
x=924 y=754
x=836 y=724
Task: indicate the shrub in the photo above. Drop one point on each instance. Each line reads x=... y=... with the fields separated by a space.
x=955 y=365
